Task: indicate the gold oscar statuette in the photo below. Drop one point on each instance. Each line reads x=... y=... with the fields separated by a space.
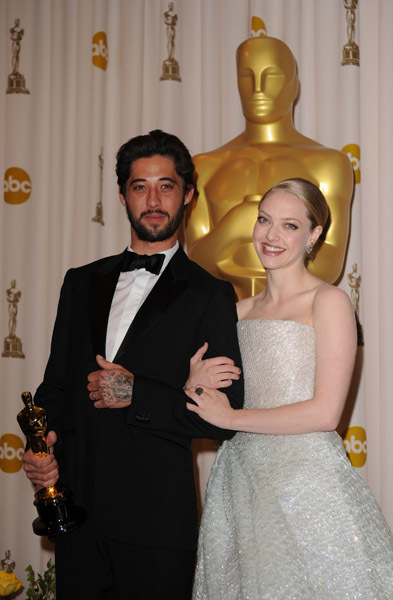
x=6 y=563
x=350 y=49
x=170 y=66
x=56 y=512
x=16 y=81
x=354 y=280
x=99 y=216
x=12 y=344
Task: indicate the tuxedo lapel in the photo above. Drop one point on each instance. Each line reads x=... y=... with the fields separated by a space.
x=102 y=288
x=165 y=292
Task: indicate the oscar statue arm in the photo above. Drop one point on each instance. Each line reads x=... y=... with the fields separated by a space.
x=201 y=222
x=336 y=181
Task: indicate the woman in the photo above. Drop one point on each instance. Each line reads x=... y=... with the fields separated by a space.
x=286 y=516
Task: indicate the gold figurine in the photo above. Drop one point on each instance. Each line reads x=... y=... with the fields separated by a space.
x=6 y=563
x=354 y=280
x=99 y=216
x=170 y=66
x=56 y=512
x=12 y=344
x=232 y=179
x=16 y=81
x=351 y=49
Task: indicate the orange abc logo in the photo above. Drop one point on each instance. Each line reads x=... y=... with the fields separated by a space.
x=17 y=186
x=353 y=153
x=99 y=50
x=355 y=444
x=11 y=452
x=258 y=27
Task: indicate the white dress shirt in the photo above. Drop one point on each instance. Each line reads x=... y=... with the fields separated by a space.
x=131 y=291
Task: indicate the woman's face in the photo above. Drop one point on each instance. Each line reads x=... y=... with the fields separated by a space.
x=282 y=231
x=267 y=79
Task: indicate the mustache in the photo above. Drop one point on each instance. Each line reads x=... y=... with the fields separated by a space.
x=157 y=211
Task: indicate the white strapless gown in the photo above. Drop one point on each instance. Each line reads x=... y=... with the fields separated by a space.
x=286 y=517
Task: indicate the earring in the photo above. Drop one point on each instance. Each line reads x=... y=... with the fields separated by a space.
x=309 y=248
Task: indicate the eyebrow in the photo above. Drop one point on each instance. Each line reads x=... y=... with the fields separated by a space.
x=160 y=179
x=282 y=218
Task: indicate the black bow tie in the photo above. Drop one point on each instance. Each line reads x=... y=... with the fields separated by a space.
x=152 y=263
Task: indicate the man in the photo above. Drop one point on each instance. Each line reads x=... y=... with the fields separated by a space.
x=123 y=444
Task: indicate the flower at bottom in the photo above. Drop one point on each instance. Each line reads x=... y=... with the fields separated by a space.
x=8 y=583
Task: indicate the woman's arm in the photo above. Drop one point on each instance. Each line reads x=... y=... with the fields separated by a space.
x=217 y=372
x=335 y=329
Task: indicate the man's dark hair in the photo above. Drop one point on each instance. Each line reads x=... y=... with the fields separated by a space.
x=155 y=142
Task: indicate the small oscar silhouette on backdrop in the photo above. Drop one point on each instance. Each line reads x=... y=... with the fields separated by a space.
x=350 y=49
x=56 y=512
x=170 y=66
x=12 y=344
x=16 y=81
x=99 y=217
x=354 y=279
x=6 y=563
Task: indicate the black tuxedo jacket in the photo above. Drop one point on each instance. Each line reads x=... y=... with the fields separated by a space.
x=132 y=468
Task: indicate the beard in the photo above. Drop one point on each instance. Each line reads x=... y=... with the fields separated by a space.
x=154 y=233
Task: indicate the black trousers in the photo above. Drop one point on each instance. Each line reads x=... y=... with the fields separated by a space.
x=95 y=568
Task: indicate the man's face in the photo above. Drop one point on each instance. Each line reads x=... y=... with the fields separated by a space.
x=155 y=199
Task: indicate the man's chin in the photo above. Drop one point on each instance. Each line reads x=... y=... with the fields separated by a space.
x=154 y=233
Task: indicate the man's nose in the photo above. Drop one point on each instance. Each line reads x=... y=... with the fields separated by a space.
x=153 y=198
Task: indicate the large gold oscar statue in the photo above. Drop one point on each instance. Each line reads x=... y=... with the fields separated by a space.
x=232 y=179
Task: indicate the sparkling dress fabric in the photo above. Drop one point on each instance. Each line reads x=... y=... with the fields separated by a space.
x=286 y=517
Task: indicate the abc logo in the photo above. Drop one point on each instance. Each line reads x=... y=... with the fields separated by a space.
x=100 y=50
x=17 y=186
x=11 y=452
x=258 y=27
x=355 y=444
x=353 y=153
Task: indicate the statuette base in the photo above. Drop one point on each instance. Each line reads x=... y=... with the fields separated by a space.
x=351 y=54
x=13 y=347
x=56 y=512
x=17 y=84
x=170 y=70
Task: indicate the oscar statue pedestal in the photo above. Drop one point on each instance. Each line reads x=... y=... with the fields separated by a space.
x=56 y=512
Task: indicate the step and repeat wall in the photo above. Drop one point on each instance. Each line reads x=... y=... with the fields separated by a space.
x=80 y=77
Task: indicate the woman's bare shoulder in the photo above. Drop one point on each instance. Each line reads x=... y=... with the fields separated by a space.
x=244 y=307
x=332 y=305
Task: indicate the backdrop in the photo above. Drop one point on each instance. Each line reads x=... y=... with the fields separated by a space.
x=80 y=77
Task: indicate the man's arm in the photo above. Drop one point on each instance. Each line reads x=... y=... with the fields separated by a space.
x=162 y=408
x=50 y=396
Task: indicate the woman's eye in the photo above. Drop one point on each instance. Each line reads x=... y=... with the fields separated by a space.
x=291 y=226
x=261 y=219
